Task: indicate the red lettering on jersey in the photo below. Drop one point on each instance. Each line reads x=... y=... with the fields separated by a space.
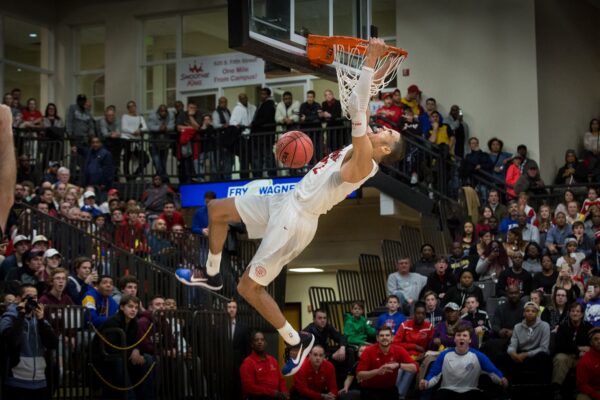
x=333 y=156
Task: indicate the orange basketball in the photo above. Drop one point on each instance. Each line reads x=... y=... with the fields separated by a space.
x=294 y=149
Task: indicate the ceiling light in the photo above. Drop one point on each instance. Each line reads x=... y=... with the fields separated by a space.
x=305 y=270
x=19 y=70
x=33 y=35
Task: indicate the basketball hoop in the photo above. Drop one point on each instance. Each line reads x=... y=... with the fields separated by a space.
x=347 y=55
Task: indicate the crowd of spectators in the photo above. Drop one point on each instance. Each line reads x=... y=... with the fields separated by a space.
x=518 y=291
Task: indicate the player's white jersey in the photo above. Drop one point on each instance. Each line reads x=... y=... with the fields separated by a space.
x=322 y=187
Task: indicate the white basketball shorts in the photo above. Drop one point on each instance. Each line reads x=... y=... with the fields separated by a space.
x=285 y=230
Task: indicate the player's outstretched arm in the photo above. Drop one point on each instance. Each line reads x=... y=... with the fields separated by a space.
x=360 y=164
x=8 y=164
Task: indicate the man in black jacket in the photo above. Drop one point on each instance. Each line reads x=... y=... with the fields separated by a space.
x=263 y=136
x=108 y=360
x=240 y=341
x=324 y=334
x=310 y=120
x=476 y=161
x=572 y=342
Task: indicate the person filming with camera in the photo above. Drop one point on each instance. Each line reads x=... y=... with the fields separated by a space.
x=26 y=336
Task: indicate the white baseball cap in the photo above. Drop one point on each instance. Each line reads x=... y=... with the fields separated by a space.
x=39 y=238
x=20 y=238
x=89 y=194
x=51 y=253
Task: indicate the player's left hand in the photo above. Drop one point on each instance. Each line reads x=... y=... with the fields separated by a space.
x=504 y=382
x=377 y=47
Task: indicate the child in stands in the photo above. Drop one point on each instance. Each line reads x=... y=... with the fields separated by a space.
x=392 y=318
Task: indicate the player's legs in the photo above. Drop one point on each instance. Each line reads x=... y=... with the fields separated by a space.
x=256 y=295
x=220 y=213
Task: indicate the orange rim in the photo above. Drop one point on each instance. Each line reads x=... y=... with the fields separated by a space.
x=319 y=49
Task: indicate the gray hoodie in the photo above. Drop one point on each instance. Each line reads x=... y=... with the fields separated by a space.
x=531 y=339
x=26 y=339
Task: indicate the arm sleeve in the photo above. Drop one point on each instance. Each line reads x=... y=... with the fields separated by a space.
x=544 y=346
x=216 y=121
x=104 y=132
x=236 y=116
x=488 y=367
x=69 y=121
x=337 y=336
x=295 y=112
x=170 y=122
x=391 y=284
x=501 y=285
x=280 y=113
x=89 y=303
x=435 y=372
x=248 y=384
x=350 y=333
x=331 y=382
x=153 y=124
x=513 y=346
x=124 y=127
x=143 y=123
x=482 y=266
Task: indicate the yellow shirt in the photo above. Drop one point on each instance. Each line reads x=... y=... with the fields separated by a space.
x=442 y=135
x=412 y=104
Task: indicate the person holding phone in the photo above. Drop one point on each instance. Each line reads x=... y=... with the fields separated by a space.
x=591 y=299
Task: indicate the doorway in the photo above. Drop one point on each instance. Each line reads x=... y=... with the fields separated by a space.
x=206 y=102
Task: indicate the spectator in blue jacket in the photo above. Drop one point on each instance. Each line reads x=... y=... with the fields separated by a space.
x=99 y=303
x=98 y=168
x=392 y=318
x=500 y=159
x=200 y=219
x=26 y=336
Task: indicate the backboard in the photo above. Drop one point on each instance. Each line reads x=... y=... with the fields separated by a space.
x=276 y=30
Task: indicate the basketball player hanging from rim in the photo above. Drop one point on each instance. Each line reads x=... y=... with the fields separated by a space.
x=287 y=222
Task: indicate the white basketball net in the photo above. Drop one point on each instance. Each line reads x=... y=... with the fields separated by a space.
x=348 y=65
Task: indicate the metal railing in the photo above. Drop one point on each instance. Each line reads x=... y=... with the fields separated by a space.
x=153 y=268
x=191 y=353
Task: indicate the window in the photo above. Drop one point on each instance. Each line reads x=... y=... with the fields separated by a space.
x=89 y=75
x=160 y=87
x=205 y=34
x=25 y=59
x=160 y=39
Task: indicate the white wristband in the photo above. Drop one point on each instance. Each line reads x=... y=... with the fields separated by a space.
x=359 y=125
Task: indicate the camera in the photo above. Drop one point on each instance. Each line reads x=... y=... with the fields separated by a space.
x=30 y=305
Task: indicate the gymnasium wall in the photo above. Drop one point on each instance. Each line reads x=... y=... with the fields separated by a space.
x=568 y=61
x=479 y=54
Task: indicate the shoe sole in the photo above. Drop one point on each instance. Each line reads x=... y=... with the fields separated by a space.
x=200 y=283
x=302 y=357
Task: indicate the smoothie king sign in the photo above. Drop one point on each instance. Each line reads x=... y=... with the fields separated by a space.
x=222 y=70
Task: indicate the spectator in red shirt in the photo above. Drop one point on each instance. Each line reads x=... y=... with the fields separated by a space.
x=415 y=334
x=379 y=366
x=588 y=369
x=389 y=114
x=316 y=378
x=261 y=378
x=32 y=117
x=171 y=216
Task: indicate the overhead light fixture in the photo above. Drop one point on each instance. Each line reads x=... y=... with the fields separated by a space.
x=19 y=70
x=305 y=270
x=33 y=35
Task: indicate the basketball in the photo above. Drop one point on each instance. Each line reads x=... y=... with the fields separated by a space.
x=294 y=149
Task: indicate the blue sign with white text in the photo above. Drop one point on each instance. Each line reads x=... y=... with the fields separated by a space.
x=193 y=195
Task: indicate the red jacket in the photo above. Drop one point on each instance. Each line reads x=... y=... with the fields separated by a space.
x=311 y=384
x=410 y=336
x=588 y=374
x=392 y=115
x=373 y=358
x=261 y=376
x=177 y=219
